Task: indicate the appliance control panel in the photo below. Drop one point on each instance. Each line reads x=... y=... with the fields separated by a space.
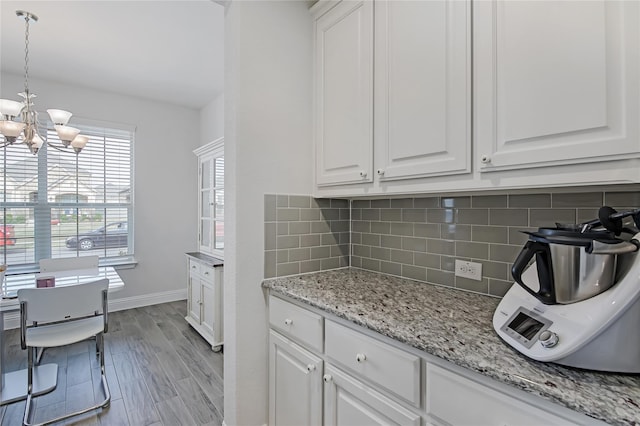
x=525 y=327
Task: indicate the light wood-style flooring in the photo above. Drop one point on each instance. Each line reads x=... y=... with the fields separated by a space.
x=160 y=372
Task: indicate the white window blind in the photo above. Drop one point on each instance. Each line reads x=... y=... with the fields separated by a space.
x=59 y=204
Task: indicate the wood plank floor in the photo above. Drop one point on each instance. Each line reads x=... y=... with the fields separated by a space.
x=160 y=372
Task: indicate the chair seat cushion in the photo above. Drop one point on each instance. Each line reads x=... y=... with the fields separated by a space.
x=65 y=333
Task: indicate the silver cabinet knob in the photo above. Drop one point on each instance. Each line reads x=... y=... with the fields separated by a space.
x=380 y=172
x=363 y=174
x=311 y=367
x=327 y=378
x=288 y=321
x=548 y=339
x=361 y=358
x=485 y=159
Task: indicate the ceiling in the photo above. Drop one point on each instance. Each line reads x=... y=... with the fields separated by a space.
x=169 y=51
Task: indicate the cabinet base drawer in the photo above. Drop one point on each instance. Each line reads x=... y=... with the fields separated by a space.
x=448 y=392
x=392 y=368
x=298 y=323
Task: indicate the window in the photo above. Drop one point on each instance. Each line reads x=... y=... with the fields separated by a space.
x=59 y=204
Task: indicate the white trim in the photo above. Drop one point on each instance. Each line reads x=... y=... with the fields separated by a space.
x=211 y=146
x=12 y=319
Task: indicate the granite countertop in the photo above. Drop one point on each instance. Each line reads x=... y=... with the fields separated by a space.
x=457 y=326
x=209 y=260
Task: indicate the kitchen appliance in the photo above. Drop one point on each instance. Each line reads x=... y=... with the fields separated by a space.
x=578 y=308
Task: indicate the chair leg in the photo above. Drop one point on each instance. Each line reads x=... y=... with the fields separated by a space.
x=105 y=388
x=27 y=408
x=39 y=355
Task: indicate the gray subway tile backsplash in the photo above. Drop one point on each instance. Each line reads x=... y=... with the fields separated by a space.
x=420 y=238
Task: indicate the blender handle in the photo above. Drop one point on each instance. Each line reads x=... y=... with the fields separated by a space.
x=543 y=263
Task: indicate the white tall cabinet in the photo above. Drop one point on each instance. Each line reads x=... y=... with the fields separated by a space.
x=205 y=281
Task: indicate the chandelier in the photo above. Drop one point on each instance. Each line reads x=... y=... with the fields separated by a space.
x=19 y=117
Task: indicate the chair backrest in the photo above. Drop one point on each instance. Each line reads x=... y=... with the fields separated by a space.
x=63 y=303
x=66 y=266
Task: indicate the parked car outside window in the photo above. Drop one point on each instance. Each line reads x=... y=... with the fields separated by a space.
x=112 y=235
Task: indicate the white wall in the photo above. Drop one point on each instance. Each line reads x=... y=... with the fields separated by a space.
x=268 y=149
x=212 y=120
x=165 y=205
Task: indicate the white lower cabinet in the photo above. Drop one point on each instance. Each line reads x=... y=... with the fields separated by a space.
x=325 y=372
x=295 y=384
x=204 y=302
x=348 y=401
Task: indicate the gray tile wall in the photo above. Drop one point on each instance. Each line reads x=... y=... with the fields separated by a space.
x=419 y=238
x=303 y=234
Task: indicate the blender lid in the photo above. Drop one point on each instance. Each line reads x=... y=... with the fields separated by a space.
x=572 y=237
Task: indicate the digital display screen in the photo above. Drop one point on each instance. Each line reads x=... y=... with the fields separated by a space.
x=525 y=326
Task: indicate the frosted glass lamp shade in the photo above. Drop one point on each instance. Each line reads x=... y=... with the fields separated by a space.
x=79 y=141
x=59 y=117
x=10 y=108
x=11 y=129
x=37 y=140
x=66 y=133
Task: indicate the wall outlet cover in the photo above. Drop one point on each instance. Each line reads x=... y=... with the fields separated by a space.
x=471 y=270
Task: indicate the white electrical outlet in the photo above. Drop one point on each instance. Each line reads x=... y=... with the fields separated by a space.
x=471 y=270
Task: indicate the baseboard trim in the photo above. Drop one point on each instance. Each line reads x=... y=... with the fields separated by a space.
x=12 y=319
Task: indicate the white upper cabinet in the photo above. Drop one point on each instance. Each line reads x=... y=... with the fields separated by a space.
x=344 y=94
x=421 y=94
x=556 y=82
x=422 y=88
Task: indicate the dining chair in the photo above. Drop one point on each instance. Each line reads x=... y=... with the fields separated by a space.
x=65 y=266
x=59 y=316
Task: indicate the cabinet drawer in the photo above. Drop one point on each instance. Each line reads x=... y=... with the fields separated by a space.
x=194 y=267
x=207 y=272
x=482 y=405
x=392 y=368
x=298 y=323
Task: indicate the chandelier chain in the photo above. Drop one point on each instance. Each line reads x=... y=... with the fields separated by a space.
x=26 y=56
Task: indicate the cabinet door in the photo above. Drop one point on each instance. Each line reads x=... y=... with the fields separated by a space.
x=556 y=82
x=422 y=88
x=208 y=306
x=212 y=302
x=195 y=297
x=295 y=384
x=344 y=94
x=347 y=401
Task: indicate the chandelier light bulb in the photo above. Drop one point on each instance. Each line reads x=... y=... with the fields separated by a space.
x=59 y=116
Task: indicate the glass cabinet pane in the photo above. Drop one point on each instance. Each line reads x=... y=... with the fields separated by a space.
x=218 y=196
x=205 y=232
x=205 y=173
x=206 y=204
x=219 y=237
x=219 y=172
